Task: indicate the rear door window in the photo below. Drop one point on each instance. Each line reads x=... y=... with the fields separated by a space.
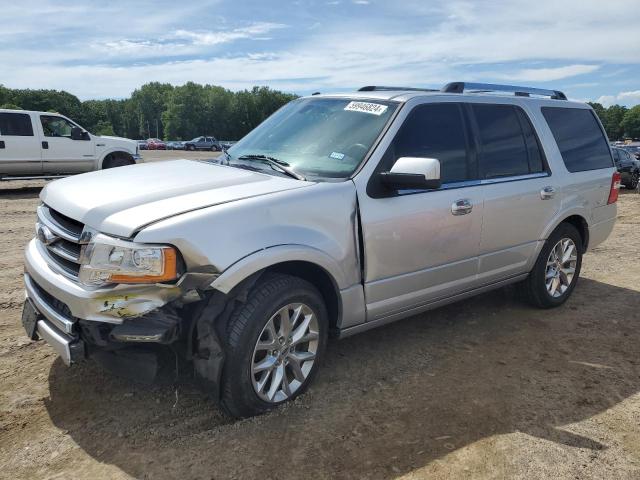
x=581 y=141
x=15 y=124
x=507 y=143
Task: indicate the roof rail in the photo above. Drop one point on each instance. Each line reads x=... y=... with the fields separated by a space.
x=461 y=87
x=376 y=88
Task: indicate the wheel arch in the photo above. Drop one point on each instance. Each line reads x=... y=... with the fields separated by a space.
x=307 y=263
x=580 y=223
x=115 y=153
x=577 y=218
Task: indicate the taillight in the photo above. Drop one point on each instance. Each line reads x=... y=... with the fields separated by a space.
x=615 y=188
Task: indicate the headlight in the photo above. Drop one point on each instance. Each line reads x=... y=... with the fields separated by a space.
x=109 y=260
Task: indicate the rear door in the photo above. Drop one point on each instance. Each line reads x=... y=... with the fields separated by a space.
x=520 y=195
x=19 y=145
x=60 y=153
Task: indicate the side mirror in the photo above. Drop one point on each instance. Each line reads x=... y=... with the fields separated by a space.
x=77 y=133
x=413 y=172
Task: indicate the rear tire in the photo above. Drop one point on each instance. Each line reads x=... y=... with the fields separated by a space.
x=277 y=336
x=633 y=184
x=557 y=269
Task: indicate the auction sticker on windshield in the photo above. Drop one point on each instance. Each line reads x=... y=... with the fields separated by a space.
x=366 y=107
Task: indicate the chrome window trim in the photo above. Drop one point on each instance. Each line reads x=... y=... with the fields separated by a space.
x=477 y=183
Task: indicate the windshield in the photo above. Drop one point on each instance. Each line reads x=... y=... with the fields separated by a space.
x=321 y=137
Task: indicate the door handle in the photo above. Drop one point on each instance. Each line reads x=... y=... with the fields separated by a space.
x=45 y=145
x=547 y=193
x=461 y=207
x=1 y=143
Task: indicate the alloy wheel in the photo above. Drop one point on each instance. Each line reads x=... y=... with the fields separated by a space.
x=285 y=352
x=561 y=267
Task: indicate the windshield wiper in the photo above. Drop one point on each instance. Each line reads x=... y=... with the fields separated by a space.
x=274 y=162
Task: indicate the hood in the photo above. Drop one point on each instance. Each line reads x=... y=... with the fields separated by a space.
x=117 y=140
x=119 y=201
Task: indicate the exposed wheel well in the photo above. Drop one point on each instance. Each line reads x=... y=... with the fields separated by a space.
x=113 y=156
x=318 y=277
x=581 y=225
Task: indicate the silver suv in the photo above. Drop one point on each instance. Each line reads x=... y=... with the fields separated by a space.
x=339 y=213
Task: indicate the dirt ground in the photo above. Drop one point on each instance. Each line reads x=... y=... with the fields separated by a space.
x=486 y=388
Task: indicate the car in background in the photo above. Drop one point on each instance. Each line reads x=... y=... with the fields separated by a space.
x=628 y=166
x=48 y=145
x=226 y=144
x=175 y=145
x=633 y=150
x=203 y=143
x=156 y=144
x=142 y=145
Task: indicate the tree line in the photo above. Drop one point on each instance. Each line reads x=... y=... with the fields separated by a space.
x=159 y=110
x=187 y=111
x=619 y=122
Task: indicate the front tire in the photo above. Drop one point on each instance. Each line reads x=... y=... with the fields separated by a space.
x=556 y=272
x=113 y=162
x=275 y=342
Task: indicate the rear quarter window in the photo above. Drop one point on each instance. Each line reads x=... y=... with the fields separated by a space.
x=579 y=137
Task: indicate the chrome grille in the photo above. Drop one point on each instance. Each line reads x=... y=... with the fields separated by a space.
x=61 y=239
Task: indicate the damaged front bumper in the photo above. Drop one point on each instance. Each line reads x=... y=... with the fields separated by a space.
x=73 y=319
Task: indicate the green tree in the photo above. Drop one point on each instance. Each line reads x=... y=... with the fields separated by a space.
x=600 y=110
x=631 y=122
x=613 y=120
x=104 y=128
x=150 y=102
x=182 y=112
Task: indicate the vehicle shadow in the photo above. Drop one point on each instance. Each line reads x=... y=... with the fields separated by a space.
x=20 y=192
x=386 y=402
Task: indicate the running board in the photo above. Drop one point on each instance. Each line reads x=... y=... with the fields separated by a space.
x=35 y=177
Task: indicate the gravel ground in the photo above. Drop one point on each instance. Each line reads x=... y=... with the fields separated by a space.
x=486 y=388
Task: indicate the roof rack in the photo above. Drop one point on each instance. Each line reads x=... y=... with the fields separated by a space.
x=461 y=87
x=376 y=88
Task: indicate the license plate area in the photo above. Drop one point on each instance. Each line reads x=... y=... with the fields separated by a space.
x=30 y=317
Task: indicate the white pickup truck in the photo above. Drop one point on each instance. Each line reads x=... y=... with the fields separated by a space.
x=46 y=145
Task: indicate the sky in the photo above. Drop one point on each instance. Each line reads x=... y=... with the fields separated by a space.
x=105 y=49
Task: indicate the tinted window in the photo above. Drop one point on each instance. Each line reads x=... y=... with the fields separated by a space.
x=503 y=148
x=17 y=124
x=579 y=137
x=435 y=131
